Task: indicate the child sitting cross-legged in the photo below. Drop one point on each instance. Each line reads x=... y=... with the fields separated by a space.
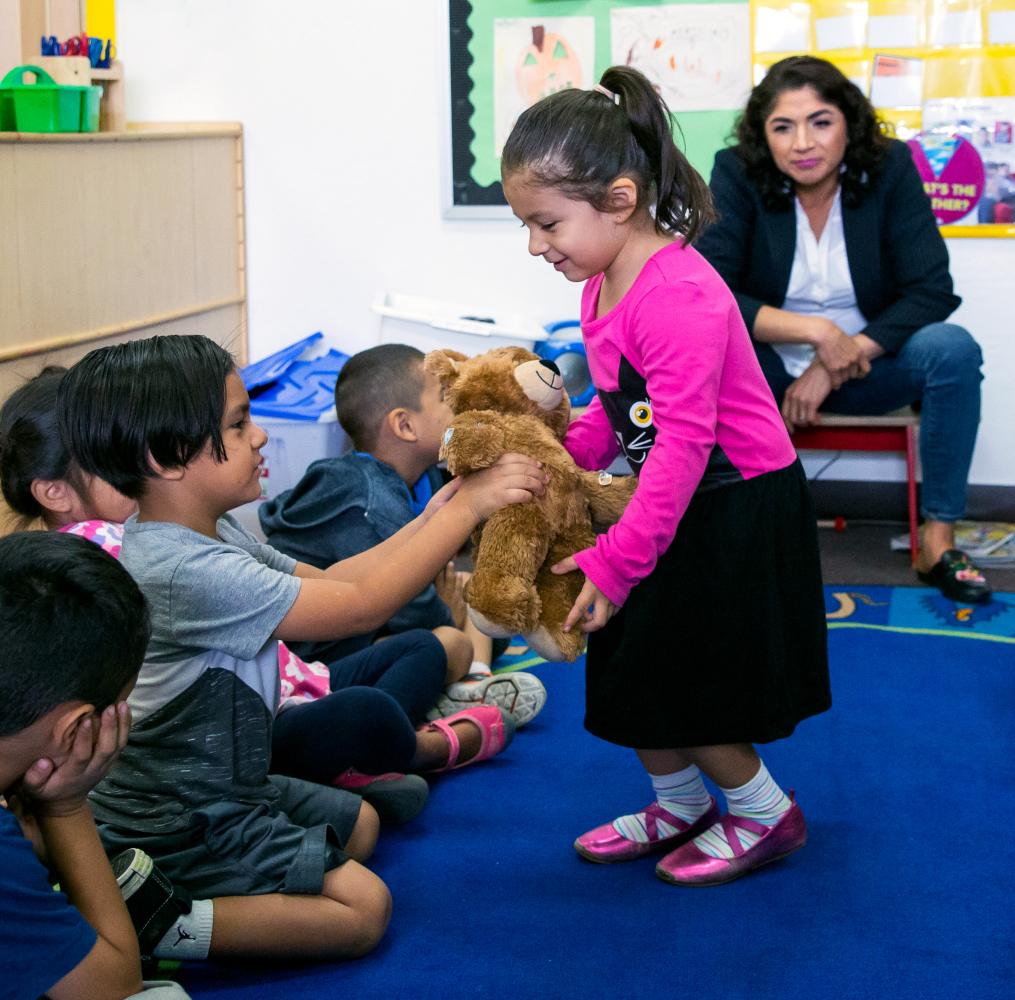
x=75 y=628
x=166 y=421
x=395 y=415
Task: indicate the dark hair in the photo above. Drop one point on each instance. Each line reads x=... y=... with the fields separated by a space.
x=30 y=443
x=373 y=383
x=866 y=142
x=581 y=141
x=121 y=408
x=75 y=626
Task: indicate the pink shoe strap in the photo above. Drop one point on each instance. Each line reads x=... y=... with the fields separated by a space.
x=729 y=824
x=454 y=747
x=656 y=812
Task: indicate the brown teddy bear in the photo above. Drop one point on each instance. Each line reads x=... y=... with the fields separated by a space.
x=510 y=400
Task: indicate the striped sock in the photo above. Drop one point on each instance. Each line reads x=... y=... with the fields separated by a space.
x=761 y=799
x=682 y=793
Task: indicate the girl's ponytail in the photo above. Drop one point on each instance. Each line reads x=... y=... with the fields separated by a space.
x=683 y=199
x=580 y=141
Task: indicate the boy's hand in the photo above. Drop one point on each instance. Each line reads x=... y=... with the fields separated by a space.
x=62 y=789
x=511 y=479
x=450 y=586
x=22 y=813
x=593 y=609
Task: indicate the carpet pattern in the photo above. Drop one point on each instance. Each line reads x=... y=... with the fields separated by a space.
x=902 y=892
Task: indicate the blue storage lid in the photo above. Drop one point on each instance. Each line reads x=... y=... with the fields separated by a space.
x=284 y=387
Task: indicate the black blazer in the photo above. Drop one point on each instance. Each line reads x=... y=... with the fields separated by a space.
x=897 y=258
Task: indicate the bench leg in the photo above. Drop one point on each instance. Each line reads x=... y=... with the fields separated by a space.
x=914 y=543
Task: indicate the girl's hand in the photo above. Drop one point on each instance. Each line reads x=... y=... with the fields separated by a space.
x=511 y=479
x=593 y=609
x=62 y=789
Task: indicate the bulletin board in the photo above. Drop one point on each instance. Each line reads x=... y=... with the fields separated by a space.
x=942 y=72
x=505 y=54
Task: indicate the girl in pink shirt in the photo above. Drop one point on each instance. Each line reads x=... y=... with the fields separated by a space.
x=704 y=603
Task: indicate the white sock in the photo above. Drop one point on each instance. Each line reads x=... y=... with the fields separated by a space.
x=190 y=936
x=466 y=688
x=479 y=668
x=761 y=799
x=682 y=793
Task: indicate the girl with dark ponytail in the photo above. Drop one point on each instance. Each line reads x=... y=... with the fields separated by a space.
x=703 y=605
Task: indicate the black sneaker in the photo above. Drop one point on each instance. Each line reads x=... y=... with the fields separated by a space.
x=153 y=902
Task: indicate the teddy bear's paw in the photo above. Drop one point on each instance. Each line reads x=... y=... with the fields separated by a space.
x=509 y=603
x=556 y=646
x=487 y=627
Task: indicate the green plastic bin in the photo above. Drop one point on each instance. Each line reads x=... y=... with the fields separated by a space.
x=45 y=106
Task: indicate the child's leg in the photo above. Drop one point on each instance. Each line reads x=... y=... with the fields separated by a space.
x=410 y=667
x=750 y=792
x=459 y=649
x=346 y=920
x=359 y=727
x=763 y=824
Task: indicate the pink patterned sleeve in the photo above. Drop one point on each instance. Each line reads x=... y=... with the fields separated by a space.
x=108 y=535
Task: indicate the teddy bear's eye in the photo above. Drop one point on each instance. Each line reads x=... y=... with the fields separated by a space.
x=641 y=413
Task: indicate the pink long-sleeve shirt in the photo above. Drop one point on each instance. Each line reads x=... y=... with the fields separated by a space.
x=675 y=369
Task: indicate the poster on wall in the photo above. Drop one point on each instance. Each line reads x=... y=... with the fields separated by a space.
x=535 y=57
x=697 y=55
x=966 y=156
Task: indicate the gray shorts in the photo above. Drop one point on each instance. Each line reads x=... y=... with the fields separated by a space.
x=238 y=849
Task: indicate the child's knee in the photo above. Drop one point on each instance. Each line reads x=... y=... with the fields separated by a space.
x=374 y=913
x=364 y=834
x=458 y=648
x=366 y=903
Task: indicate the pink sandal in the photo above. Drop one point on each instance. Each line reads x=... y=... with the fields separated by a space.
x=496 y=727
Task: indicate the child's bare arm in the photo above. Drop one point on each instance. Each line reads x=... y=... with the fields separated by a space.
x=57 y=795
x=387 y=576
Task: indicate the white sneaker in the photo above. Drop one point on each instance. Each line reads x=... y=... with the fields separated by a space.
x=521 y=695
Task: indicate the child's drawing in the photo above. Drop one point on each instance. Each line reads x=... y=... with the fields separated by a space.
x=534 y=57
x=697 y=55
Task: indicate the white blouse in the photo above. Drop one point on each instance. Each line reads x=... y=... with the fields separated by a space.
x=820 y=283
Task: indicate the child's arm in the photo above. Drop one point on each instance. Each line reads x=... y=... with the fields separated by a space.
x=590 y=440
x=58 y=797
x=360 y=594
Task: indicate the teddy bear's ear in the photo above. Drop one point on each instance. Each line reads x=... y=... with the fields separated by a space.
x=444 y=365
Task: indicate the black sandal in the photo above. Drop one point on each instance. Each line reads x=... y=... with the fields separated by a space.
x=957 y=578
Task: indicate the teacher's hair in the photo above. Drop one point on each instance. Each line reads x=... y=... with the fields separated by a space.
x=866 y=142
x=580 y=141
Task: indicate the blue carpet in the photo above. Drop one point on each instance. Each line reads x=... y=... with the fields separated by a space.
x=904 y=890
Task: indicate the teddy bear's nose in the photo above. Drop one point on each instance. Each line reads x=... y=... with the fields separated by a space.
x=549 y=364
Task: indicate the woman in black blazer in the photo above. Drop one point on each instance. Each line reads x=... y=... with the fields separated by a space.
x=828 y=242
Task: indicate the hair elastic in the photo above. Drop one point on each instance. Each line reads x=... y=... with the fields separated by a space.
x=607 y=93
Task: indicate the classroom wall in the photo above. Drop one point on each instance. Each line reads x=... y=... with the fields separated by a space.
x=343 y=106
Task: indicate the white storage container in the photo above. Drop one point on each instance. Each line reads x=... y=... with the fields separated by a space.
x=430 y=324
x=292 y=446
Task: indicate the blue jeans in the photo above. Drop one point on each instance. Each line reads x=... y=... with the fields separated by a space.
x=937 y=367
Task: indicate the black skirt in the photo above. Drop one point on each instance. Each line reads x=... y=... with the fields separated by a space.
x=725 y=641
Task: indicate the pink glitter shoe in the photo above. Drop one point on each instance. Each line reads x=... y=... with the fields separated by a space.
x=688 y=865
x=605 y=845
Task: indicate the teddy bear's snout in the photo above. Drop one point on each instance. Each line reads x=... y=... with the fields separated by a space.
x=542 y=382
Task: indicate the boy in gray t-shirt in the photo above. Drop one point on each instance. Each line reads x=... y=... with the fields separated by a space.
x=166 y=421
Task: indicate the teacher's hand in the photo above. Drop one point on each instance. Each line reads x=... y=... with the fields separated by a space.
x=841 y=355
x=804 y=396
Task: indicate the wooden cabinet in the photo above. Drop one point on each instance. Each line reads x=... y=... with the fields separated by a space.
x=112 y=236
